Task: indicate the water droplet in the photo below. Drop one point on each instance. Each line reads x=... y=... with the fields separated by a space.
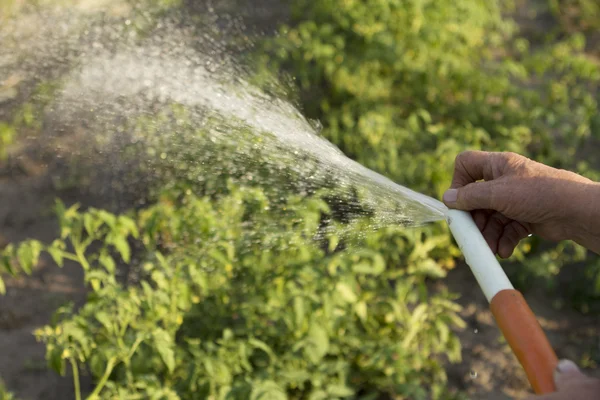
x=473 y=374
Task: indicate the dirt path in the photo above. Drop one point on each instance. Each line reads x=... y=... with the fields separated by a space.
x=30 y=301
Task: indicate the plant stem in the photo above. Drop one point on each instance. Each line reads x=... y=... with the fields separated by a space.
x=76 y=379
x=80 y=253
x=109 y=367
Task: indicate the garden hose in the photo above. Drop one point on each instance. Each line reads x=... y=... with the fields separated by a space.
x=513 y=316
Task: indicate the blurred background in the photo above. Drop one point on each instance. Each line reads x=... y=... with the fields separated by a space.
x=160 y=239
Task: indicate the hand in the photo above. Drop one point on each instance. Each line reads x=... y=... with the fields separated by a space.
x=571 y=384
x=511 y=196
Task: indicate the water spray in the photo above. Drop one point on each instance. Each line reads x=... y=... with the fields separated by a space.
x=513 y=316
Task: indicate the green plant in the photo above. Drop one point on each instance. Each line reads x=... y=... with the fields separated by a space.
x=26 y=118
x=4 y=393
x=403 y=86
x=215 y=315
x=577 y=15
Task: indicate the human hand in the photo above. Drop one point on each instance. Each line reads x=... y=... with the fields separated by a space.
x=571 y=384
x=511 y=196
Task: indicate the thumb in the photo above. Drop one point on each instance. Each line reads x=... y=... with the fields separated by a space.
x=567 y=373
x=474 y=196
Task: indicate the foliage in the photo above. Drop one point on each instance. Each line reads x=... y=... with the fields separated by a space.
x=4 y=393
x=26 y=118
x=577 y=15
x=216 y=316
x=403 y=86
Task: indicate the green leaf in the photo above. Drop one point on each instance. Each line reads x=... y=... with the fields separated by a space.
x=108 y=218
x=28 y=254
x=107 y=261
x=122 y=247
x=55 y=360
x=318 y=395
x=88 y=223
x=375 y=265
x=164 y=345
x=105 y=320
x=346 y=292
x=317 y=343
x=334 y=240
x=339 y=390
x=299 y=311
x=2 y=286
x=361 y=310
x=56 y=251
x=129 y=225
x=267 y=390
x=259 y=344
x=6 y=257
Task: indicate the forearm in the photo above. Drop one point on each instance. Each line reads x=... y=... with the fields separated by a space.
x=585 y=228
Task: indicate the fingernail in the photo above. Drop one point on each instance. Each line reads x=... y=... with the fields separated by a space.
x=565 y=366
x=450 y=196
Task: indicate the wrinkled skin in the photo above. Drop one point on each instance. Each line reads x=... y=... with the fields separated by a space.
x=511 y=196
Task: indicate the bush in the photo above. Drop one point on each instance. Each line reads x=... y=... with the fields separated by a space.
x=214 y=315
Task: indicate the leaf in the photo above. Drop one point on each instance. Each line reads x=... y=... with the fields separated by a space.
x=108 y=218
x=105 y=320
x=55 y=359
x=56 y=252
x=299 y=311
x=6 y=259
x=259 y=344
x=374 y=266
x=267 y=390
x=2 y=286
x=129 y=225
x=361 y=310
x=88 y=223
x=107 y=261
x=122 y=247
x=318 y=395
x=339 y=390
x=28 y=254
x=346 y=292
x=334 y=240
x=317 y=343
x=164 y=345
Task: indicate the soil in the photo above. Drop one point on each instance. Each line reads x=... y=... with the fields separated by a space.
x=488 y=370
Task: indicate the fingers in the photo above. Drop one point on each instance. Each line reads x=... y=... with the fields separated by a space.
x=513 y=233
x=566 y=374
x=501 y=233
x=471 y=166
x=493 y=230
x=480 y=217
x=473 y=196
x=571 y=384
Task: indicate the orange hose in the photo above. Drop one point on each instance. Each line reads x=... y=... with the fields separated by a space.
x=526 y=339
